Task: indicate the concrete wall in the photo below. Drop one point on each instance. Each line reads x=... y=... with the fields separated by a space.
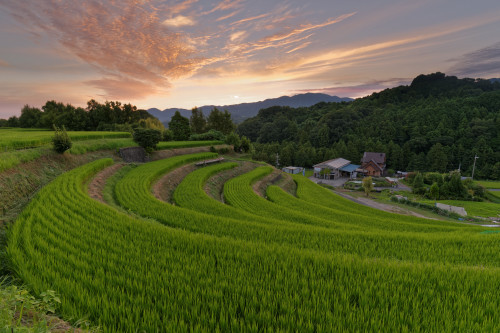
x=454 y=209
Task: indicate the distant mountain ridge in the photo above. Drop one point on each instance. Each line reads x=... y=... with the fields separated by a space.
x=240 y=112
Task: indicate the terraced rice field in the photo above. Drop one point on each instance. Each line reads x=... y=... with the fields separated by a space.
x=19 y=138
x=313 y=262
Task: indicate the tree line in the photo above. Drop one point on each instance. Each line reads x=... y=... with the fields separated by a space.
x=108 y=116
x=438 y=123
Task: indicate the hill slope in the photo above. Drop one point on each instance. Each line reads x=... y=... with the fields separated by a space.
x=435 y=124
x=243 y=111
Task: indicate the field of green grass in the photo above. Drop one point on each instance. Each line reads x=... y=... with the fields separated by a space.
x=20 y=138
x=24 y=145
x=312 y=261
x=481 y=209
x=489 y=183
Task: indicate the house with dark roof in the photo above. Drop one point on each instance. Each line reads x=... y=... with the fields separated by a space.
x=373 y=164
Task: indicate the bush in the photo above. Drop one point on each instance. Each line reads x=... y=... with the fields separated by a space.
x=210 y=135
x=61 y=140
x=223 y=150
x=168 y=135
x=147 y=138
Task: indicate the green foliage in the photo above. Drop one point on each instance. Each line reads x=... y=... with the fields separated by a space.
x=220 y=121
x=179 y=126
x=418 y=184
x=186 y=144
x=234 y=140
x=198 y=122
x=22 y=312
x=434 y=191
x=167 y=135
x=210 y=135
x=61 y=141
x=147 y=138
x=420 y=128
x=246 y=144
x=367 y=185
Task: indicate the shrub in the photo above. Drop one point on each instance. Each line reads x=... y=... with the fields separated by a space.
x=210 y=135
x=168 y=135
x=147 y=138
x=61 y=140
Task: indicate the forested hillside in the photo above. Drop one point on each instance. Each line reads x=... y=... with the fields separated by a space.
x=437 y=123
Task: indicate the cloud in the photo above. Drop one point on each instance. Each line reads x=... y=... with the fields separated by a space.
x=237 y=35
x=224 y=5
x=124 y=38
x=3 y=63
x=307 y=27
x=180 y=7
x=225 y=17
x=179 y=21
x=120 y=88
x=484 y=62
x=248 y=19
x=358 y=90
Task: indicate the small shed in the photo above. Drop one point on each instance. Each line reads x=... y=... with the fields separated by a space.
x=350 y=170
x=293 y=170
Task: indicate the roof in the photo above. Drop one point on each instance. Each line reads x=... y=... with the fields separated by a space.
x=372 y=163
x=349 y=168
x=293 y=168
x=376 y=157
x=333 y=164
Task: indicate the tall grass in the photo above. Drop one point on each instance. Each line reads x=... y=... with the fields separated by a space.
x=201 y=271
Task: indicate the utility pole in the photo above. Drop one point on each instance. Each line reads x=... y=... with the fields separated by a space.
x=277 y=161
x=474 y=166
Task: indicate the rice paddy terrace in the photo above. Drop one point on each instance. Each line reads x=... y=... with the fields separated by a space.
x=309 y=262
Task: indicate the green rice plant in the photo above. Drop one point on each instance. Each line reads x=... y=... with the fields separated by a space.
x=82 y=147
x=26 y=138
x=10 y=159
x=185 y=144
x=128 y=274
x=489 y=184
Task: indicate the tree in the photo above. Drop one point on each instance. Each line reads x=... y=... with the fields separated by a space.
x=30 y=117
x=220 y=121
x=179 y=126
x=234 y=140
x=418 y=184
x=246 y=144
x=147 y=138
x=368 y=185
x=61 y=140
x=437 y=160
x=197 y=121
x=434 y=191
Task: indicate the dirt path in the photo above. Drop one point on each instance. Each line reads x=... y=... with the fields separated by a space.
x=164 y=188
x=260 y=186
x=97 y=184
x=384 y=207
x=214 y=186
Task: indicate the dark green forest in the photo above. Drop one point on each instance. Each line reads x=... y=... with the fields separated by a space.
x=437 y=123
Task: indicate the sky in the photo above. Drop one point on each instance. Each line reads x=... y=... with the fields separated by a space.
x=186 y=53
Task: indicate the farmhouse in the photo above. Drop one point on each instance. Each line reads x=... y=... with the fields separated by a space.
x=373 y=164
x=330 y=169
